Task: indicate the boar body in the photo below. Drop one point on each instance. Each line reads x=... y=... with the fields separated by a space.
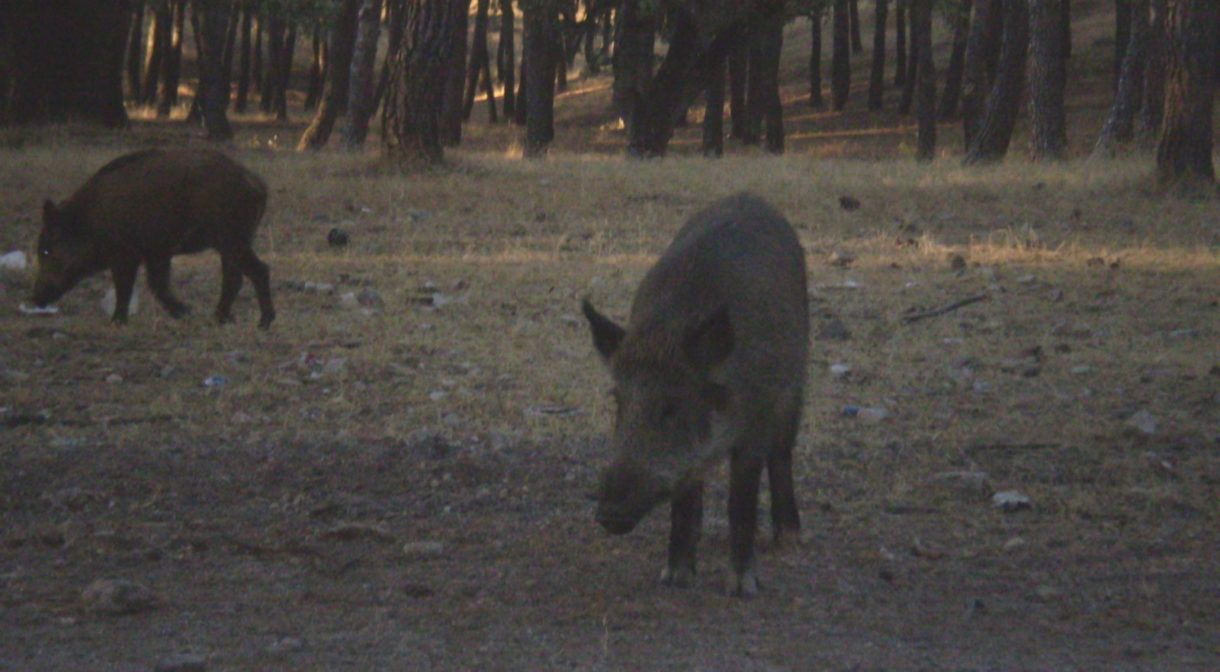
x=710 y=366
x=145 y=208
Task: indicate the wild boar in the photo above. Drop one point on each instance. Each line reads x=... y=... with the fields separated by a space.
x=711 y=365
x=145 y=208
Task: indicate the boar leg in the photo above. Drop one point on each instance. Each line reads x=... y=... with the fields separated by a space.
x=157 y=269
x=259 y=274
x=124 y=275
x=785 y=518
x=686 y=525
x=230 y=285
x=745 y=473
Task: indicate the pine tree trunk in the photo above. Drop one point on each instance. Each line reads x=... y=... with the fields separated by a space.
x=171 y=61
x=762 y=89
x=1119 y=128
x=361 y=85
x=908 y=82
x=990 y=144
x=876 y=79
x=957 y=61
x=739 y=67
x=1184 y=152
x=505 y=68
x=243 y=61
x=815 y=59
x=213 y=84
x=1048 y=79
x=633 y=54
x=158 y=45
x=256 y=56
x=284 y=74
x=480 y=59
x=135 y=51
x=335 y=93
x=317 y=68
x=985 y=35
x=857 y=43
x=1153 y=107
x=1122 y=35
x=275 y=48
x=900 y=42
x=455 y=76
x=713 y=112
x=539 y=57
x=412 y=112
x=840 y=75
x=925 y=75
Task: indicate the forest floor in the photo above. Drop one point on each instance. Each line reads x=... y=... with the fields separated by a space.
x=394 y=476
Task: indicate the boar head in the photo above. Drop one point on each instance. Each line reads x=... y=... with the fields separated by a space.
x=671 y=419
x=65 y=255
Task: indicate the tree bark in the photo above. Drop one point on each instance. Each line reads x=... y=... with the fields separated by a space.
x=171 y=61
x=633 y=54
x=713 y=112
x=990 y=144
x=908 y=82
x=455 y=76
x=1119 y=128
x=243 y=60
x=505 y=68
x=256 y=56
x=64 y=64
x=739 y=67
x=362 y=83
x=840 y=75
x=1184 y=152
x=925 y=74
x=159 y=36
x=1048 y=79
x=412 y=112
x=815 y=58
x=876 y=79
x=284 y=74
x=539 y=56
x=1154 y=75
x=213 y=84
x=857 y=43
x=900 y=42
x=984 y=36
x=762 y=88
x=335 y=93
x=317 y=68
x=135 y=51
x=1122 y=35
x=480 y=66
x=957 y=61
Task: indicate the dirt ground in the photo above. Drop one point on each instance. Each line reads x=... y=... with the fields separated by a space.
x=394 y=476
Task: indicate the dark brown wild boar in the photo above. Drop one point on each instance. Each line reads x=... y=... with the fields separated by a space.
x=145 y=208
x=711 y=365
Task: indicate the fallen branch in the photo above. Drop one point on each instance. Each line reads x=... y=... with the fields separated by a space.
x=915 y=317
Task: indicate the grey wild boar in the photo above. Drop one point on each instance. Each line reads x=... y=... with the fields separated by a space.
x=710 y=366
x=145 y=208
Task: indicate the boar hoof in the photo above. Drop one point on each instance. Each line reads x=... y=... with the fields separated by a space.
x=678 y=577
x=224 y=318
x=265 y=321
x=118 y=320
x=744 y=584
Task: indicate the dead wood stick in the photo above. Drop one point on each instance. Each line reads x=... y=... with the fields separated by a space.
x=907 y=319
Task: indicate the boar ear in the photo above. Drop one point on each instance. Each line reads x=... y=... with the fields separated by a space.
x=606 y=334
x=710 y=342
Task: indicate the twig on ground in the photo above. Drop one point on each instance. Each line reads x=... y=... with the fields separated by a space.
x=915 y=317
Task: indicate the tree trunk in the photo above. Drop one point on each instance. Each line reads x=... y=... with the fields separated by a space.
x=990 y=144
x=455 y=76
x=840 y=74
x=713 y=112
x=900 y=42
x=63 y=64
x=925 y=75
x=857 y=43
x=159 y=36
x=1154 y=75
x=256 y=57
x=361 y=85
x=412 y=113
x=338 y=76
x=480 y=66
x=396 y=13
x=633 y=54
x=739 y=66
x=539 y=56
x=762 y=88
x=1067 y=28
x=232 y=24
x=1184 y=152
x=243 y=61
x=275 y=47
x=213 y=84
x=1048 y=79
x=985 y=33
x=284 y=74
x=1119 y=128
x=317 y=68
x=908 y=82
x=957 y=60
x=1122 y=35
x=135 y=51
x=171 y=61
x=876 y=79
x=815 y=59
x=505 y=55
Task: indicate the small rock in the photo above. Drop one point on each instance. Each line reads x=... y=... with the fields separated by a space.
x=1026 y=280
x=335 y=366
x=35 y=310
x=1009 y=501
x=1143 y=421
x=349 y=300
x=849 y=203
x=840 y=370
x=114 y=379
x=215 y=381
x=13 y=261
x=423 y=550
x=285 y=645
x=873 y=414
x=418 y=215
x=437 y=395
x=183 y=662
x=841 y=259
x=369 y=298
x=1014 y=544
x=116 y=597
x=337 y=237
x=317 y=287
x=1081 y=370
x=850 y=411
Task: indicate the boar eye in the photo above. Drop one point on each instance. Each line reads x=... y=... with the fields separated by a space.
x=45 y=252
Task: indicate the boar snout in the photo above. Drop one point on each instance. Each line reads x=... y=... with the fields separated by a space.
x=46 y=293
x=625 y=495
